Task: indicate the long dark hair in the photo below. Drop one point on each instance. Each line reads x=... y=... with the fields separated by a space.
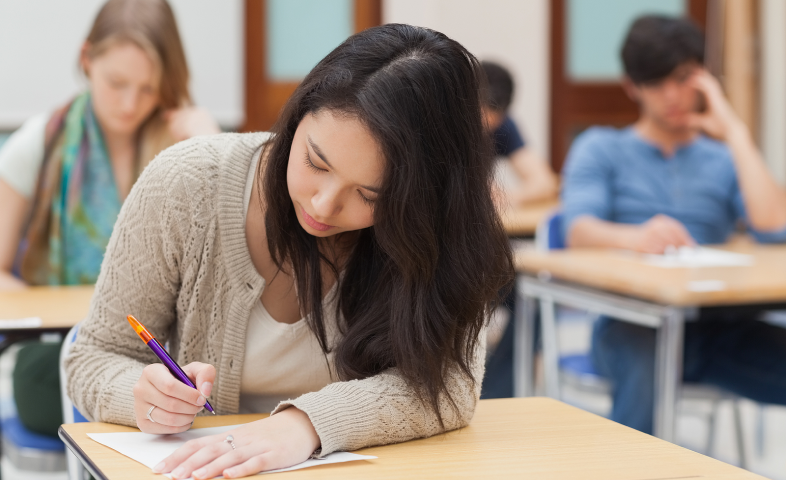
x=418 y=285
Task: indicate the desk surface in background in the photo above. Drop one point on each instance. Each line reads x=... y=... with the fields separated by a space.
x=524 y=220
x=625 y=273
x=508 y=438
x=58 y=307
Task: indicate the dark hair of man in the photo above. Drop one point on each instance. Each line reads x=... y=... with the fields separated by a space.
x=656 y=45
x=418 y=286
x=498 y=86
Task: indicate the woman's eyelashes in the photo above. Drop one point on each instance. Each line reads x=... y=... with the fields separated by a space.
x=366 y=200
x=311 y=165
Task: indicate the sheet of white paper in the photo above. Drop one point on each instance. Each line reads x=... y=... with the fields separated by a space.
x=149 y=449
x=693 y=257
x=30 y=322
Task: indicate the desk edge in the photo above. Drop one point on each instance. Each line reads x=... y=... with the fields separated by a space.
x=80 y=454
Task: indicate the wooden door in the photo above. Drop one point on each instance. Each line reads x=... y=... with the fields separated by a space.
x=265 y=92
x=577 y=103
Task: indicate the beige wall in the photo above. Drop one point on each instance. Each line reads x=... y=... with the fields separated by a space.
x=514 y=33
x=772 y=129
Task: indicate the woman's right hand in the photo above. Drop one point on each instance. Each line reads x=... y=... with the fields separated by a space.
x=176 y=403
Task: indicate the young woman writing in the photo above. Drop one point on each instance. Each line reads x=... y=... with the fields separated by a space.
x=340 y=271
x=64 y=175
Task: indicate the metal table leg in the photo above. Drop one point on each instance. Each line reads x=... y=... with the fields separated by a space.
x=548 y=323
x=523 y=351
x=668 y=372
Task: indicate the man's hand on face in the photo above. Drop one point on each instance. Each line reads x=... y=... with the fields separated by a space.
x=718 y=120
x=660 y=233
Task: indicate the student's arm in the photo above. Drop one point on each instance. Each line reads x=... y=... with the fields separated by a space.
x=140 y=275
x=537 y=180
x=764 y=199
x=652 y=236
x=20 y=162
x=587 y=199
x=14 y=209
x=383 y=409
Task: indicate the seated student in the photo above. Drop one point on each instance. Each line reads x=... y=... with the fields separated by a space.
x=65 y=174
x=344 y=267
x=687 y=172
x=534 y=178
x=137 y=103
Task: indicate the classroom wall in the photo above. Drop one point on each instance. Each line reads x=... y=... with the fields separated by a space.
x=40 y=41
x=772 y=22
x=514 y=33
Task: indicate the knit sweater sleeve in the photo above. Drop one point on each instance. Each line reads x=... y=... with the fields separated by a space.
x=140 y=275
x=382 y=409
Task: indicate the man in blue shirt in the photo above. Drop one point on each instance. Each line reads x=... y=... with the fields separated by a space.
x=687 y=172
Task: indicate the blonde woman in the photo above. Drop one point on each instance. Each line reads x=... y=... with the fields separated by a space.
x=64 y=175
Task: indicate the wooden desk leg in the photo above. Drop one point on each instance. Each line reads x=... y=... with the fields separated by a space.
x=668 y=372
x=523 y=349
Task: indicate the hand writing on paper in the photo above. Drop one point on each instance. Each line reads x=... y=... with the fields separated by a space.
x=658 y=233
x=282 y=440
x=176 y=403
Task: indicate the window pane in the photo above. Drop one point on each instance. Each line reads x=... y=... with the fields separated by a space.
x=596 y=30
x=301 y=32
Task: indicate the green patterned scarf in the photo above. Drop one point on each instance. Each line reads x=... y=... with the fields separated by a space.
x=76 y=202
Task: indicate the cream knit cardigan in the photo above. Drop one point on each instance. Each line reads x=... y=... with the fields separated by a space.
x=179 y=262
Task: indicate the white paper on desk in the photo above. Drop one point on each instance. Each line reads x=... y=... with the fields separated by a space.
x=149 y=449
x=29 y=322
x=693 y=257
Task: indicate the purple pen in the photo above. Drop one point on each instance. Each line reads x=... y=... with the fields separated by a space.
x=161 y=353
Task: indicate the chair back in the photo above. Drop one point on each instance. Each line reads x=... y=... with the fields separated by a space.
x=548 y=235
x=76 y=471
x=70 y=413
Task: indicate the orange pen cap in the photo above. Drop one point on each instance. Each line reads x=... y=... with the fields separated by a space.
x=140 y=329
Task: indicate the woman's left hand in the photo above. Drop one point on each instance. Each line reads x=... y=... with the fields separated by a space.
x=188 y=122
x=282 y=440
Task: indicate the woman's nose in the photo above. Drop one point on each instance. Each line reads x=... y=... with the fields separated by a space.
x=129 y=101
x=327 y=202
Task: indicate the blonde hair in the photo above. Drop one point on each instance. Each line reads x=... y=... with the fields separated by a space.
x=150 y=25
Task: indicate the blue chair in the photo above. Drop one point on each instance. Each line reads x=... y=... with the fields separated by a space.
x=31 y=451
x=76 y=471
x=578 y=370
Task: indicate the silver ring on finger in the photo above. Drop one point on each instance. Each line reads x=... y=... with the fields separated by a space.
x=149 y=412
x=231 y=441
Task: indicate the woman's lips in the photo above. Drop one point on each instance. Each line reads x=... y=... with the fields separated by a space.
x=313 y=223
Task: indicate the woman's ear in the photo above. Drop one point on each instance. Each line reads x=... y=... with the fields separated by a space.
x=84 y=58
x=630 y=88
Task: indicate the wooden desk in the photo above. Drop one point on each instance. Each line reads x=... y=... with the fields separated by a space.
x=619 y=284
x=58 y=307
x=524 y=220
x=508 y=438
x=625 y=273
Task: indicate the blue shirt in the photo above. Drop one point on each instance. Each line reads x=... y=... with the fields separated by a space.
x=617 y=176
x=507 y=138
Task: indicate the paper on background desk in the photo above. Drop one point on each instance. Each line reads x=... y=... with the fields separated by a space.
x=693 y=257
x=149 y=449
x=29 y=322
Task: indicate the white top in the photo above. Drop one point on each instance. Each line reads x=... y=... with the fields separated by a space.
x=22 y=154
x=282 y=361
